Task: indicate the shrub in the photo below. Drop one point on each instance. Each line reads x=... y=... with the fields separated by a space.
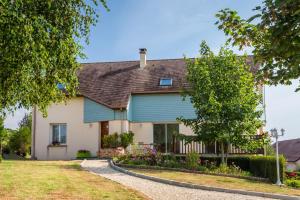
x=0 y=158
x=83 y=154
x=265 y=166
x=111 y=141
x=192 y=160
x=126 y=139
x=293 y=183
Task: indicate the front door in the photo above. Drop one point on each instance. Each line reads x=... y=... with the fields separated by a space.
x=104 y=131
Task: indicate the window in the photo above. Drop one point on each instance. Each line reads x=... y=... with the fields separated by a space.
x=163 y=137
x=59 y=133
x=165 y=82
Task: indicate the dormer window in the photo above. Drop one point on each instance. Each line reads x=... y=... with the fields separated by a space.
x=165 y=82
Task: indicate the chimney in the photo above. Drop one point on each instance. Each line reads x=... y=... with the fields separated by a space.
x=143 y=52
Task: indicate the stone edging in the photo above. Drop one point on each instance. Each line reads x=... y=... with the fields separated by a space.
x=203 y=187
x=191 y=171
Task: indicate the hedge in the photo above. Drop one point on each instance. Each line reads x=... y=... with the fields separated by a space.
x=259 y=166
x=265 y=166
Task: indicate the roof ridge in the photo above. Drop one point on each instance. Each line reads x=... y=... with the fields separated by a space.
x=131 y=61
x=128 y=61
x=289 y=140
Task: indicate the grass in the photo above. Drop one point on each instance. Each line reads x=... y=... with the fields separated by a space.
x=219 y=181
x=57 y=180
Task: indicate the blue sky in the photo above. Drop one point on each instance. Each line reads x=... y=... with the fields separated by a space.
x=171 y=29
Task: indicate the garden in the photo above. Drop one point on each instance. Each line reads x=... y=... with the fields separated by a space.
x=250 y=172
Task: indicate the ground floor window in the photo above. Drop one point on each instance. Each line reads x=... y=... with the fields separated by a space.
x=163 y=136
x=59 y=133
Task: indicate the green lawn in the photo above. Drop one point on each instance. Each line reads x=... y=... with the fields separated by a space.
x=57 y=180
x=219 y=181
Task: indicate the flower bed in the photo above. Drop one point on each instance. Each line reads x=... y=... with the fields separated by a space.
x=192 y=163
x=111 y=152
x=293 y=179
x=242 y=166
x=190 y=171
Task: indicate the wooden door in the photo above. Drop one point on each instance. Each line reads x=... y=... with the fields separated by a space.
x=104 y=131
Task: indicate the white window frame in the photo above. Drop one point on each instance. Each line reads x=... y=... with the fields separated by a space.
x=59 y=132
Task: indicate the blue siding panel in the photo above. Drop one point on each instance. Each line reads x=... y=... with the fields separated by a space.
x=94 y=112
x=160 y=108
x=120 y=115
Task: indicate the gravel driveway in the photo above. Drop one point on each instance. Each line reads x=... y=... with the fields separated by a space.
x=157 y=190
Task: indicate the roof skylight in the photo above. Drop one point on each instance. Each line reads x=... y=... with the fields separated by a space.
x=165 y=82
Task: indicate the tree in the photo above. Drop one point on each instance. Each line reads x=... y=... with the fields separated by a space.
x=3 y=134
x=225 y=97
x=273 y=32
x=26 y=121
x=20 y=140
x=39 y=45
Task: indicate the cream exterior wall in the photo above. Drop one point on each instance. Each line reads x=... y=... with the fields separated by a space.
x=79 y=134
x=143 y=132
x=118 y=126
x=185 y=130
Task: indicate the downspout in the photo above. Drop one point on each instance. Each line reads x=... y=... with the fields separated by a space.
x=33 y=131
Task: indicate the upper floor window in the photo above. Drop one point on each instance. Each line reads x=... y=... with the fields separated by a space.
x=59 y=133
x=165 y=82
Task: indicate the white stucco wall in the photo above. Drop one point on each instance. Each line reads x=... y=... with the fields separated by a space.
x=143 y=132
x=185 y=130
x=79 y=134
x=118 y=126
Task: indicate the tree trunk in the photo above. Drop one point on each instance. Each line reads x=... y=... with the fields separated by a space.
x=222 y=153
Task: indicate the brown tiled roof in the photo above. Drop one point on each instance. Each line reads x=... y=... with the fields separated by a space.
x=290 y=149
x=111 y=83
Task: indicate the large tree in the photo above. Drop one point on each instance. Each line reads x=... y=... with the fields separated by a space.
x=274 y=34
x=224 y=94
x=39 y=48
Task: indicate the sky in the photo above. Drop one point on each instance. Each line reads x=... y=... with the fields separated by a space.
x=172 y=29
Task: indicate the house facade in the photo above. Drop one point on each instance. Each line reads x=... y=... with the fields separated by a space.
x=139 y=96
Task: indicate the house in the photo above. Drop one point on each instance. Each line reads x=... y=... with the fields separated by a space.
x=291 y=151
x=139 y=96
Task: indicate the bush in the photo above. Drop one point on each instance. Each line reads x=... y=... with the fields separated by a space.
x=192 y=159
x=126 y=139
x=265 y=166
x=83 y=154
x=0 y=158
x=111 y=141
x=293 y=183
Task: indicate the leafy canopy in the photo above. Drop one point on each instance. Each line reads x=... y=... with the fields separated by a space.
x=39 y=45
x=273 y=32
x=225 y=97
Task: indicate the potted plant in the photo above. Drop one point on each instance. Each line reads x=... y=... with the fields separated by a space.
x=115 y=144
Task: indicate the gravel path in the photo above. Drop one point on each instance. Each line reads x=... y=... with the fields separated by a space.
x=157 y=190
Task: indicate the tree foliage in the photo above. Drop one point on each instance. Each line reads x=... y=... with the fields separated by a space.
x=39 y=45
x=273 y=32
x=3 y=135
x=225 y=97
